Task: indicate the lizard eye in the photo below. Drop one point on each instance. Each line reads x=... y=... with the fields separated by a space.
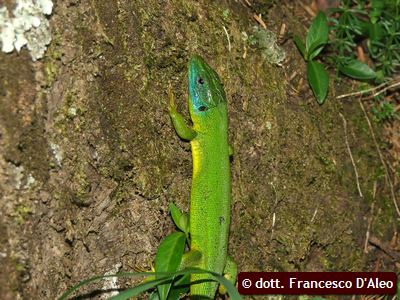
x=202 y=108
x=200 y=81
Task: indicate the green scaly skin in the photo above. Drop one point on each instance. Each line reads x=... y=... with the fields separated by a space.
x=210 y=198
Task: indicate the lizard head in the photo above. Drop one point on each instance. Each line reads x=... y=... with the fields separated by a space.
x=205 y=88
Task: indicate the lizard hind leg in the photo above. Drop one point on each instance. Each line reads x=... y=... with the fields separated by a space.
x=230 y=273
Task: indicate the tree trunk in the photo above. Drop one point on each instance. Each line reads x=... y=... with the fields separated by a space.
x=89 y=159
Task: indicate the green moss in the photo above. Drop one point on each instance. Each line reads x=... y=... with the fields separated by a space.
x=21 y=213
x=326 y=161
x=81 y=188
x=226 y=14
x=20 y=267
x=52 y=60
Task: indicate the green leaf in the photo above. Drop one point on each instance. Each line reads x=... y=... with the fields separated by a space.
x=180 y=219
x=316 y=52
x=317 y=34
x=318 y=80
x=356 y=69
x=300 y=45
x=168 y=258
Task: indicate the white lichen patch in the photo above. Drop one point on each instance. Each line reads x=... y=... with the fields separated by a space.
x=57 y=152
x=21 y=181
x=18 y=172
x=30 y=181
x=266 y=41
x=111 y=283
x=27 y=25
x=72 y=112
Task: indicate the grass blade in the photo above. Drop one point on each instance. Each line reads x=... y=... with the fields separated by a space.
x=141 y=288
x=163 y=277
x=97 y=278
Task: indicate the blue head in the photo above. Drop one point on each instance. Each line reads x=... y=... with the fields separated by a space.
x=205 y=89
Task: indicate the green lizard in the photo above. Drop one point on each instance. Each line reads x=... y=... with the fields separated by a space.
x=210 y=199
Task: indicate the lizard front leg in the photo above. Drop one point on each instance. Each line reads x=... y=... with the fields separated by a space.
x=182 y=129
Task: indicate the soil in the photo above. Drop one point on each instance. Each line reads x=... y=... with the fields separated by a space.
x=89 y=159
